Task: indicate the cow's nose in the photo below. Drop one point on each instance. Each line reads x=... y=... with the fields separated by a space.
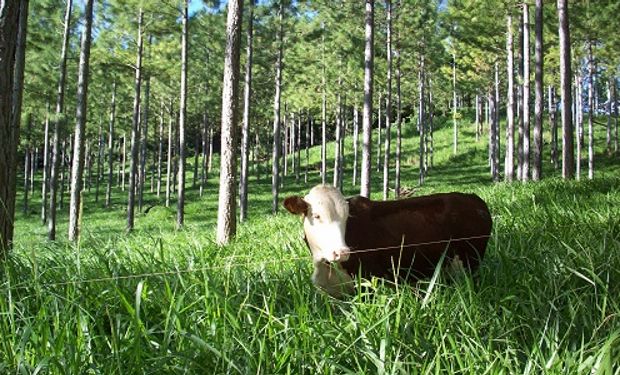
x=341 y=255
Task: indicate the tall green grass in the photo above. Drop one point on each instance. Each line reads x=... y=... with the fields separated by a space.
x=164 y=301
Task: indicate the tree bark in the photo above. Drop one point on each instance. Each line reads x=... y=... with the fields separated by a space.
x=356 y=136
x=77 y=167
x=399 y=137
x=455 y=135
x=108 y=194
x=182 y=119
x=568 y=149
x=539 y=102
x=421 y=119
x=99 y=167
x=144 y=138
x=510 y=107
x=525 y=172
x=226 y=216
x=169 y=155
x=275 y=181
x=160 y=147
x=205 y=150
x=367 y=112
x=579 y=120
x=323 y=113
x=245 y=138
x=388 y=105
x=46 y=166
x=591 y=109
x=135 y=129
x=58 y=123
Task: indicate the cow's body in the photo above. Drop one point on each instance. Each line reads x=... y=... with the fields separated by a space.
x=402 y=238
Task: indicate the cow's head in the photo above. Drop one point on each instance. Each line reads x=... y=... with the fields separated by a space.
x=325 y=214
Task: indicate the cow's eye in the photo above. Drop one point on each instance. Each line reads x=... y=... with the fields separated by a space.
x=316 y=217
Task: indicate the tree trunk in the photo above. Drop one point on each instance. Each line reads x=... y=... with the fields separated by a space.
x=182 y=120
x=13 y=29
x=99 y=168
x=245 y=138
x=27 y=163
x=108 y=194
x=539 y=102
x=455 y=136
x=135 y=129
x=275 y=181
x=298 y=147
x=510 y=107
x=379 y=121
x=568 y=149
x=526 y=93
x=520 y=80
x=323 y=113
x=307 y=147
x=553 y=123
x=144 y=139
x=421 y=120
x=57 y=125
x=77 y=167
x=160 y=147
x=356 y=136
x=205 y=151
x=124 y=162
x=388 y=105
x=338 y=141
x=591 y=109
x=579 y=117
x=46 y=167
x=226 y=216
x=399 y=137
x=169 y=155
x=367 y=113
x=608 y=110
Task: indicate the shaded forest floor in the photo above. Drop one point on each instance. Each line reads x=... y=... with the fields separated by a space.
x=166 y=301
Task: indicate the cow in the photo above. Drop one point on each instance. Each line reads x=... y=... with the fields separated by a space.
x=400 y=239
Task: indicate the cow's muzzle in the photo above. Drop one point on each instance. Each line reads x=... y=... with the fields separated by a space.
x=338 y=255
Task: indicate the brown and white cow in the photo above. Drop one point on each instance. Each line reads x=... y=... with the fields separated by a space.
x=402 y=238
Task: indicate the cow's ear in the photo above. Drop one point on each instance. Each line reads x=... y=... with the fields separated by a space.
x=296 y=205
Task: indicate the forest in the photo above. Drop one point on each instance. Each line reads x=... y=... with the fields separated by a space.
x=146 y=148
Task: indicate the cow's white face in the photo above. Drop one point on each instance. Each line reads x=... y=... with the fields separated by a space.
x=325 y=219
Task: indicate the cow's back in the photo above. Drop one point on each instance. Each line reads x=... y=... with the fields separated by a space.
x=410 y=235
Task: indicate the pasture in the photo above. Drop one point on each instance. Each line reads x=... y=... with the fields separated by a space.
x=162 y=301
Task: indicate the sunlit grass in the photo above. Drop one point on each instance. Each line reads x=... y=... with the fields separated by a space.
x=161 y=300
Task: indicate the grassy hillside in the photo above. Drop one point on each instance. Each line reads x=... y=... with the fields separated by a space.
x=165 y=301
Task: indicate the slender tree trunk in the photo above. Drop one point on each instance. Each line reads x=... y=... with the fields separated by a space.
x=399 y=136
x=77 y=167
x=608 y=110
x=338 y=141
x=526 y=93
x=579 y=118
x=169 y=155
x=553 y=123
x=455 y=136
x=108 y=194
x=205 y=150
x=27 y=163
x=99 y=168
x=356 y=136
x=182 y=119
x=324 y=120
x=226 y=217
x=124 y=162
x=46 y=166
x=379 y=127
x=275 y=182
x=388 y=105
x=615 y=117
x=591 y=109
x=144 y=139
x=63 y=170
x=196 y=155
x=568 y=149
x=367 y=112
x=298 y=147
x=245 y=137
x=160 y=147
x=135 y=129
x=520 y=80
x=539 y=102
x=496 y=132
x=58 y=123
x=510 y=107
x=421 y=119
